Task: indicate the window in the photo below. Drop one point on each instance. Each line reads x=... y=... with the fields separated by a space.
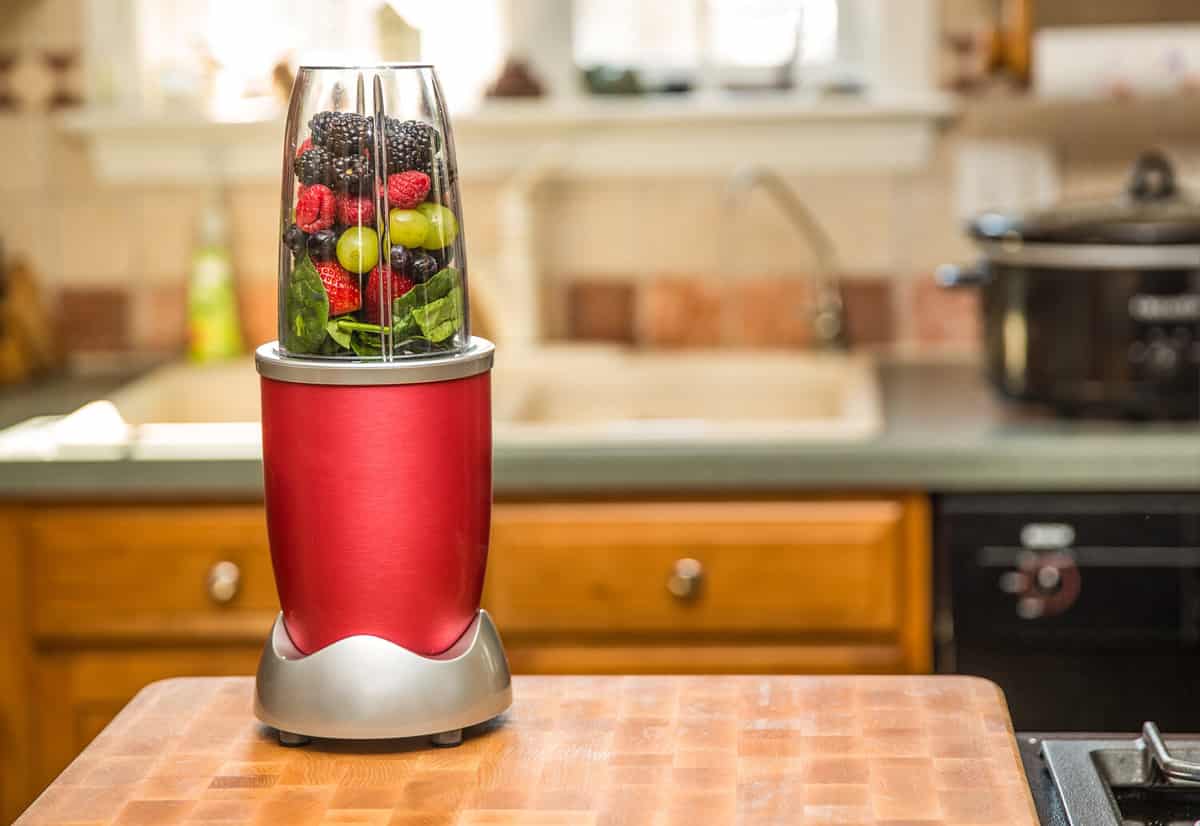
x=684 y=34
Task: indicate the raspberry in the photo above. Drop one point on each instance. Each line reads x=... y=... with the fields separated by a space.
x=340 y=286
x=400 y=285
x=353 y=210
x=407 y=189
x=304 y=147
x=315 y=208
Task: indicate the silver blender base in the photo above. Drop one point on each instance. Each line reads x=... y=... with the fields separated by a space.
x=367 y=688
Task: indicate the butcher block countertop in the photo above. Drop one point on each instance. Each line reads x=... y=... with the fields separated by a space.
x=574 y=751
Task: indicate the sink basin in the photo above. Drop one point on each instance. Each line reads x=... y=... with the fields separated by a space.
x=563 y=394
x=602 y=395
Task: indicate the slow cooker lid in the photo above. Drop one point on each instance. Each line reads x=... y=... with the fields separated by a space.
x=1152 y=210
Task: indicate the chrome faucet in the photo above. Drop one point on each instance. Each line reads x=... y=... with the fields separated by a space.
x=828 y=309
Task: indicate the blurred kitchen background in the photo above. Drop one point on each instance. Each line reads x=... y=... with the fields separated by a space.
x=741 y=421
x=892 y=124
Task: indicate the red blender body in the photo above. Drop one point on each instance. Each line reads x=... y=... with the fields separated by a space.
x=378 y=508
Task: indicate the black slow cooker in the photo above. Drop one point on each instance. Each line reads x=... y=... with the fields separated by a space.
x=1094 y=309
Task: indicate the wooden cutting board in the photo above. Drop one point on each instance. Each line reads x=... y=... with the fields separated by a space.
x=575 y=751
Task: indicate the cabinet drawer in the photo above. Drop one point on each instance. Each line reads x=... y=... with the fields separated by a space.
x=822 y=567
x=151 y=572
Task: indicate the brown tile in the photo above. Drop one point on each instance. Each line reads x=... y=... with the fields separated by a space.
x=768 y=312
x=93 y=318
x=600 y=311
x=258 y=307
x=944 y=317
x=869 y=316
x=679 y=312
x=159 y=322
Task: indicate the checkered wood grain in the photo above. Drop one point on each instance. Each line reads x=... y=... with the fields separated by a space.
x=573 y=751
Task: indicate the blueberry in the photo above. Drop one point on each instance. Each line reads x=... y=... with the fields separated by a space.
x=295 y=239
x=401 y=261
x=322 y=245
x=424 y=266
x=443 y=256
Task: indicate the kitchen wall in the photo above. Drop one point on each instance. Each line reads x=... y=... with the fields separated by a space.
x=660 y=263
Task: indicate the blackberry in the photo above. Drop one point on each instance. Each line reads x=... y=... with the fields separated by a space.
x=347 y=134
x=439 y=179
x=352 y=175
x=319 y=124
x=410 y=145
x=314 y=167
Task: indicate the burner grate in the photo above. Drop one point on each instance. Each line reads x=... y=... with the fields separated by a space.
x=1138 y=782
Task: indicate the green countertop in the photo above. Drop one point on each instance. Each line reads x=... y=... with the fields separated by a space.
x=943 y=432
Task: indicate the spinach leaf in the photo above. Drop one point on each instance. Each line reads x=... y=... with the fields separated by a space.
x=439 y=286
x=366 y=344
x=307 y=308
x=441 y=319
x=339 y=335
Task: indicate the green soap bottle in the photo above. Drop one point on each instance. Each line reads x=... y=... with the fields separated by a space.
x=214 y=331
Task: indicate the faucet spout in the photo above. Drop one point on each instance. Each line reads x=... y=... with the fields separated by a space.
x=829 y=314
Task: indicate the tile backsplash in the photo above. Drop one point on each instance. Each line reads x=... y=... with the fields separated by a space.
x=654 y=263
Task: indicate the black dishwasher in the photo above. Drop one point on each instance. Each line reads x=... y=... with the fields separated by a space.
x=1084 y=608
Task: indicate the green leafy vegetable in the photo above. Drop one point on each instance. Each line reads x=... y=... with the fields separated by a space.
x=441 y=319
x=349 y=325
x=366 y=344
x=439 y=286
x=338 y=334
x=307 y=308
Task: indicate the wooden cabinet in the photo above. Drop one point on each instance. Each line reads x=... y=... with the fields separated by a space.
x=98 y=600
x=816 y=586
x=150 y=573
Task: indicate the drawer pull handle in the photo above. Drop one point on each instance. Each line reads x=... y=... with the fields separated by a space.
x=223 y=581
x=686 y=579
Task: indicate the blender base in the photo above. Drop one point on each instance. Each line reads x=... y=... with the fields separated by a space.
x=368 y=688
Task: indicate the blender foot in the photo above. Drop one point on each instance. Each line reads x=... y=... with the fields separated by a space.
x=287 y=738
x=447 y=738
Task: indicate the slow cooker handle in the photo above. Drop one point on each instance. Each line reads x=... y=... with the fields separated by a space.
x=1152 y=179
x=964 y=275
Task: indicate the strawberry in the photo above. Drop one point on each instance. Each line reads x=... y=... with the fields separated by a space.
x=407 y=189
x=304 y=147
x=352 y=210
x=315 y=207
x=400 y=285
x=340 y=286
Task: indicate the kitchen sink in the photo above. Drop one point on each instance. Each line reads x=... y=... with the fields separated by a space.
x=602 y=395
x=561 y=394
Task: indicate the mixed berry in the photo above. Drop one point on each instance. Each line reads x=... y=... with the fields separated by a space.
x=340 y=278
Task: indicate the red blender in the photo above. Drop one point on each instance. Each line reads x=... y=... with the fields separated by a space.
x=376 y=411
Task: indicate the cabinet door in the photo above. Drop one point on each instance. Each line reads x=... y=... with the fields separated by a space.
x=819 y=585
x=151 y=573
x=79 y=692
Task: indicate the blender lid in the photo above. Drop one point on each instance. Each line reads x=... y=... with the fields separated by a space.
x=475 y=359
x=1151 y=211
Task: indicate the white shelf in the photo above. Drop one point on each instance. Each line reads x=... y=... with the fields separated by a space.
x=587 y=138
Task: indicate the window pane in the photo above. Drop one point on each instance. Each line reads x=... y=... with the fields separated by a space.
x=659 y=34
